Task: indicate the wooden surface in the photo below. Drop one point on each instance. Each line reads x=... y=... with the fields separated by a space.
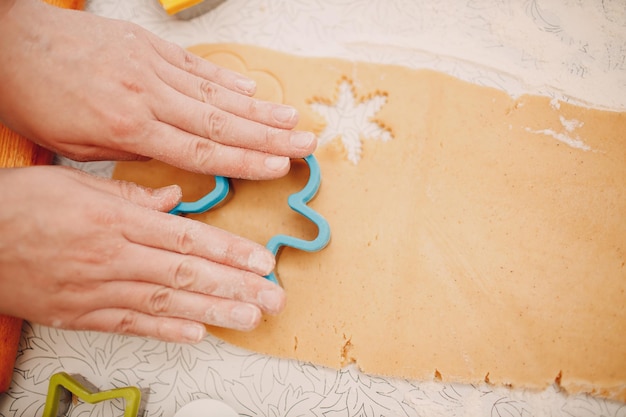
x=18 y=151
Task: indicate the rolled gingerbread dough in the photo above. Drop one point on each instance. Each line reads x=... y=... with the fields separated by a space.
x=475 y=237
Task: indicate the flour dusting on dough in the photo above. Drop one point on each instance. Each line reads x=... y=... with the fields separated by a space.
x=570 y=125
x=352 y=120
x=561 y=137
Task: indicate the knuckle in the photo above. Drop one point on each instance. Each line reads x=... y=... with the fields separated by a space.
x=188 y=61
x=272 y=134
x=131 y=31
x=185 y=239
x=216 y=124
x=184 y=275
x=160 y=300
x=220 y=73
x=129 y=190
x=123 y=125
x=212 y=71
x=253 y=108
x=248 y=165
x=213 y=315
x=203 y=153
x=210 y=286
x=208 y=91
x=104 y=217
x=127 y=324
x=232 y=251
x=132 y=85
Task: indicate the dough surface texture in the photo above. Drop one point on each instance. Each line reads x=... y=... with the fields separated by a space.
x=475 y=237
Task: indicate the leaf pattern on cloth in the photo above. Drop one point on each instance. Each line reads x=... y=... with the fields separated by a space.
x=172 y=375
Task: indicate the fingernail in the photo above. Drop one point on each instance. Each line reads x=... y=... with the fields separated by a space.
x=276 y=163
x=245 y=316
x=301 y=139
x=194 y=332
x=261 y=261
x=284 y=114
x=271 y=300
x=246 y=85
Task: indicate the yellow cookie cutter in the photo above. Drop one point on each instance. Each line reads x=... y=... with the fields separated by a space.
x=62 y=382
x=188 y=9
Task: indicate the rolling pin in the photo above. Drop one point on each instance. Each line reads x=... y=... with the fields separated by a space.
x=17 y=151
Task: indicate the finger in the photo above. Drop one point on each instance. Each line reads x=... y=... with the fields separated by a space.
x=220 y=126
x=193 y=64
x=271 y=114
x=198 y=275
x=190 y=237
x=197 y=154
x=130 y=322
x=158 y=301
x=161 y=199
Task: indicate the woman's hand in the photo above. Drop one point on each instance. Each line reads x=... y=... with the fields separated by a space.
x=81 y=252
x=93 y=88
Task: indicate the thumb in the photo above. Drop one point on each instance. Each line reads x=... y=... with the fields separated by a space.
x=162 y=199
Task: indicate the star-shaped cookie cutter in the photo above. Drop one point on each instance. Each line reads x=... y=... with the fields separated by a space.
x=297 y=201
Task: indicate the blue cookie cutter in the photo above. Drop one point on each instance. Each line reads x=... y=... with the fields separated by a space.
x=297 y=202
x=212 y=199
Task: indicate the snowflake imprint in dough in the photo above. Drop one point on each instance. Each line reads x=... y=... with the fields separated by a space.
x=352 y=120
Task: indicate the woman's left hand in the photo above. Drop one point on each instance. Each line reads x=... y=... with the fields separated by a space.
x=95 y=88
